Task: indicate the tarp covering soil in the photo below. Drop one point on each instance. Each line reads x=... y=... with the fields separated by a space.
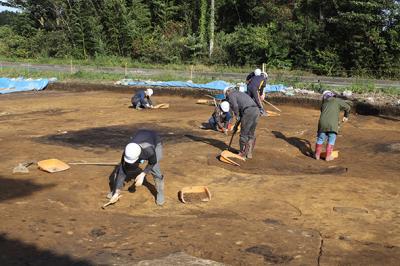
x=8 y=85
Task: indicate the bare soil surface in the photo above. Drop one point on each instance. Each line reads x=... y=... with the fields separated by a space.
x=281 y=207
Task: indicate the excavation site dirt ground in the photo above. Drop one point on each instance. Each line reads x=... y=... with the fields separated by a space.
x=281 y=207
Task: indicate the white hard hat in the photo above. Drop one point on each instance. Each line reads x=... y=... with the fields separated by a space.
x=326 y=94
x=149 y=92
x=226 y=89
x=132 y=152
x=257 y=72
x=225 y=106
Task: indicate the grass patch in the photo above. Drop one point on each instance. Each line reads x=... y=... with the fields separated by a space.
x=92 y=76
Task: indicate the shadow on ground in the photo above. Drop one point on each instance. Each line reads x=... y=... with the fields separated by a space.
x=303 y=145
x=115 y=137
x=15 y=252
x=13 y=188
x=213 y=142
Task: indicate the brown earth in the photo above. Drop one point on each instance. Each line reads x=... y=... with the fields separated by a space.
x=281 y=207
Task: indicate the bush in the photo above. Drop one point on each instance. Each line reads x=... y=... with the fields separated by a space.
x=12 y=44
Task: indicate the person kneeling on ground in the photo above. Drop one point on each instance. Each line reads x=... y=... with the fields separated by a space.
x=328 y=125
x=247 y=112
x=220 y=120
x=142 y=99
x=145 y=145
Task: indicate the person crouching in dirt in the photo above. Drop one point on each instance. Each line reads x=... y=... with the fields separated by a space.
x=256 y=82
x=247 y=114
x=221 y=119
x=145 y=145
x=142 y=99
x=328 y=125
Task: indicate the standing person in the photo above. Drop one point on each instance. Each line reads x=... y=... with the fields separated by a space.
x=220 y=120
x=256 y=82
x=328 y=125
x=145 y=145
x=142 y=99
x=247 y=112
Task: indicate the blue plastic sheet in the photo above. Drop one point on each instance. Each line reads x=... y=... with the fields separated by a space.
x=214 y=85
x=16 y=85
x=275 y=88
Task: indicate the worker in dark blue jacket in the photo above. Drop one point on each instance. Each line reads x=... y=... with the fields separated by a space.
x=145 y=145
x=256 y=82
x=142 y=99
x=220 y=120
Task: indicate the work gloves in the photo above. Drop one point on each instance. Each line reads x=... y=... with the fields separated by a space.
x=115 y=196
x=139 y=179
x=345 y=119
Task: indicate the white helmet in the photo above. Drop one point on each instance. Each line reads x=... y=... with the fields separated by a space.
x=149 y=92
x=327 y=94
x=257 y=72
x=132 y=152
x=226 y=89
x=225 y=106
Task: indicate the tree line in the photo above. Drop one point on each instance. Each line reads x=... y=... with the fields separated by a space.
x=327 y=37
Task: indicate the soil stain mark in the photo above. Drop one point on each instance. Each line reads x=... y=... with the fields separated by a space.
x=114 y=137
x=15 y=252
x=97 y=232
x=277 y=163
x=303 y=145
x=350 y=210
x=12 y=188
x=213 y=142
x=390 y=147
x=39 y=114
x=268 y=255
x=273 y=221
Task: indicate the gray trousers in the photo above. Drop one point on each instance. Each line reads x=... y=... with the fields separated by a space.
x=249 y=122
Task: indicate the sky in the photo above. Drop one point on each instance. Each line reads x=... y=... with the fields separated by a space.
x=3 y=8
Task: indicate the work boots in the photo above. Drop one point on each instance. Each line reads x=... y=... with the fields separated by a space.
x=244 y=149
x=159 y=184
x=329 y=150
x=318 y=150
x=252 y=143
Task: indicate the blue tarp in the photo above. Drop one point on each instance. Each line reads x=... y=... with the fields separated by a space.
x=15 y=85
x=275 y=88
x=214 y=85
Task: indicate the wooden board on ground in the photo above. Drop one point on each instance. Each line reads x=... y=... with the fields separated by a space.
x=52 y=165
x=161 y=106
x=227 y=156
x=194 y=194
x=205 y=102
x=335 y=155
